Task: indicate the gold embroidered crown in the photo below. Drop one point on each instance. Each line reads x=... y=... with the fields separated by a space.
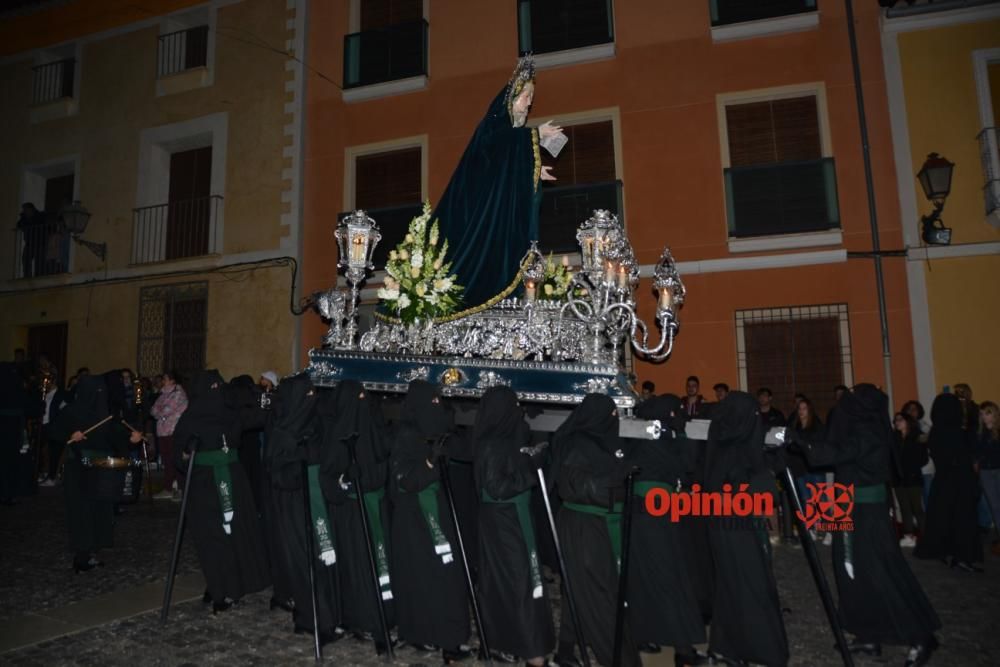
x=524 y=73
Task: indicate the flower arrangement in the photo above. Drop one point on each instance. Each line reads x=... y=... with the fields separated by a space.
x=418 y=284
x=556 y=279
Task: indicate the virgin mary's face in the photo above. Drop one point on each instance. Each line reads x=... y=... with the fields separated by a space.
x=519 y=107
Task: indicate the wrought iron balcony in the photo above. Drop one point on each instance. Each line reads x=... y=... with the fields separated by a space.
x=52 y=81
x=393 y=221
x=387 y=54
x=783 y=198
x=725 y=12
x=41 y=249
x=563 y=207
x=989 y=151
x=182 y=50
x=178 y=229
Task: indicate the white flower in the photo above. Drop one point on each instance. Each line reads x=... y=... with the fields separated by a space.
x=434 y=236
x=442 y=285
x=388 y=294
x=421 y=289
x=417 y=259
x=407 y=239
x=549 y=289
x=437 y=264
x=404 y=255
x=432 y=299
x=393 y=255
x=415 y=272
x=403 y=302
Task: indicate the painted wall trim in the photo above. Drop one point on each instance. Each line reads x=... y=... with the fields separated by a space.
x=765 y=27
x=726 y=264
x=296 y=192
x=786 y=241
x=939 y=19
x=387 y=89
x=584 y=54
x=953 y=251
x=920 y=317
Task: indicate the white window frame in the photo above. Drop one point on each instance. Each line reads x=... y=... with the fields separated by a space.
x=579 y=55
x=198 y=77
x=779 y=25
x=156 y=144
x=778 y=241
x=33 y=180
x=387 y=88
x=61 y=108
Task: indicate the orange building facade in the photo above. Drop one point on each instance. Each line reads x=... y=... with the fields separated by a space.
x=731 y=137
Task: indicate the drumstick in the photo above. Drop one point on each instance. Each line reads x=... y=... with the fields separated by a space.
x=100 y=423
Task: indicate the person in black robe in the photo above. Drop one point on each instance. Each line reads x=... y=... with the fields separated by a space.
x=220 y=510
x=589 y=469
x=663 y=605
x=879 y=599
x=245 y=396
x=296 y=439
x=353 y=418
x=18 y=405
x=746 y=619
x=90 y=518
x=432 y=607
x=516 y=610
x=951 y=529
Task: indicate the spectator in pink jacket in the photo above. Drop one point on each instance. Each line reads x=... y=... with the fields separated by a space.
x=168 y=408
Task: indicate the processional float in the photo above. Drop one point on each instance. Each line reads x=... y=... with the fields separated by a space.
x=564 y=337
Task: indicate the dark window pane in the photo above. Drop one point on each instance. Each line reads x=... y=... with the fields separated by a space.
x=378 y=14
x=388 y=187
x=782 y=198
x=196 y=47
x=395 y=52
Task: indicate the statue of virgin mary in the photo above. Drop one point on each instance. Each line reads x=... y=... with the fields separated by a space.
x=489 y=211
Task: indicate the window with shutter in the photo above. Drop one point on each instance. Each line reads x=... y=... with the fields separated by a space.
x=778 y=181
x=173 y=328
x=388 y=186
x=587 y=180
x=798 y=349
x=546 y=26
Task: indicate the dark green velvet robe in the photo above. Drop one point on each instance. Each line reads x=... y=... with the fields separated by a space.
x=489 y=211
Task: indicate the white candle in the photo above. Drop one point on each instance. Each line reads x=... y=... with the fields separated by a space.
x=666 y=298
x=609 y=273
x=358 y=248
x=529 y=291
x=622 y=277
x=565 y=260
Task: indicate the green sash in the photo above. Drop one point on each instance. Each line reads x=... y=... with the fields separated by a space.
x=613 y=519
x=868 y=495
x=320 y=519
x=219 y=460
x=428 y=499
x=522 y=503
x=373 y=508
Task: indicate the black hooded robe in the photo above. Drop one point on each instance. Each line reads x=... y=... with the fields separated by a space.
x=746 y=615
x=17 y=405
x=515 y=607
x=431 y=602
x=90 y=520
x=951 y=529
x=296 y=439
x=663 y=604
x=235 y=563
x=345 y=411
x=879 y=599
x=589 y=470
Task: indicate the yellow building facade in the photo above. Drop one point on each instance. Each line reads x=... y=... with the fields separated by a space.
x=943 y=69
x=177 y=130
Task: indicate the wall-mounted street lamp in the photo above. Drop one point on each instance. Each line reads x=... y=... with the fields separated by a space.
x=75 y=217
x=935 y=179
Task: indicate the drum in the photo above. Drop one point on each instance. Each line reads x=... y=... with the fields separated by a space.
x=114 y=478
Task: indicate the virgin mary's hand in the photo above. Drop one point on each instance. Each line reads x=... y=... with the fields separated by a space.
x=547 y=129
x=546 y=174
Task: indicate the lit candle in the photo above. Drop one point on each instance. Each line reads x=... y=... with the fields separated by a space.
x=565 y=260
x=622 y=277
x=666 y=298
x=529 y=291
x=609 y=272
x=588 y=251
x=357 y=248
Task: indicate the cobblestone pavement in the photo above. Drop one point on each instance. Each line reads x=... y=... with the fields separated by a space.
x=37 y=576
